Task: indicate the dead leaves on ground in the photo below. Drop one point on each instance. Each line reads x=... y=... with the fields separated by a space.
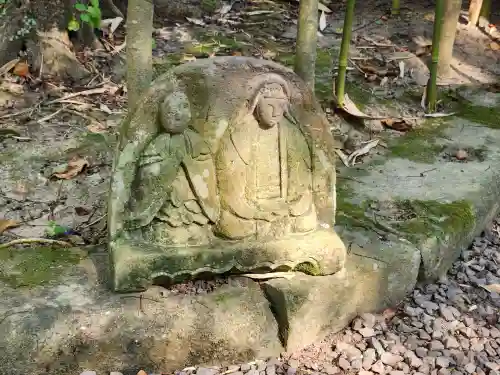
x=74 y=167
x=7 y=224
x=398 y=124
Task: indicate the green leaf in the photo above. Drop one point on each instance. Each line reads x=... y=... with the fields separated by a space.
x=95 y=3
x=81 y=7
x=153 y=43
x=85 y=17
x=95 y=13
x=55 y=229
x=73 y=25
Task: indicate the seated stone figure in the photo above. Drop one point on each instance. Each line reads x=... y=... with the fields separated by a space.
x=226 y=165
x=265 y=171
x=175 y=197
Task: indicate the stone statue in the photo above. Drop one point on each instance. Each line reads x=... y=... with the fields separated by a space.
x=226 y=165
x=175 y=190
x=264 y=171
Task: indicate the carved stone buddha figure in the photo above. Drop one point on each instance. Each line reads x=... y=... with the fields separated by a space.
x=264 y=171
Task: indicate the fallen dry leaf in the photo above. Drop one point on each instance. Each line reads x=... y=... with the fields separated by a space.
x=142 y=372
x=8 y=66
x=492 y=288
x=494 y=46
x=75 y=166
x=188 y=58
x=397 y=124
x=8 y=223
x=12 y=88
x=196 y=21
x=351 y=108
x=21 y=69
x=369 y=68
x=322 y=21
x=96 y=127
x=362 y=151
x=270 y=275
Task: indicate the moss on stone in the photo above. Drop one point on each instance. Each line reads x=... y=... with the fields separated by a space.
x=209 y=6
x=162 y=65
x=308 y=268
x=488 y=116
x=428 y=219
x=35 y=266
x=416 y=220
x=419 y=145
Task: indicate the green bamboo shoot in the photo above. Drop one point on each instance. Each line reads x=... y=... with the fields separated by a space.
x=486 y=9
x=436 y=37
x=395 y=7
x=344 y=53
x=307 y=36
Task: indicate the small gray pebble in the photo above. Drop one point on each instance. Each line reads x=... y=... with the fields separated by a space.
x=331 y=370
x=344 y=364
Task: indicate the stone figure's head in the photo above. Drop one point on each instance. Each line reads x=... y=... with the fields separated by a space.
x=175 y=112
x=271 y=105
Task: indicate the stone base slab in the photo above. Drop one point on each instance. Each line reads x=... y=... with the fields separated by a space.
x=311 y=307
x=136 y=264
x=76 y=324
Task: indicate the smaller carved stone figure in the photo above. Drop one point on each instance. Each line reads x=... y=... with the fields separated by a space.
x=175 y=199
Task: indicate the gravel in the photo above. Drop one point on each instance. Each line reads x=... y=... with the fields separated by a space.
x=448 y=328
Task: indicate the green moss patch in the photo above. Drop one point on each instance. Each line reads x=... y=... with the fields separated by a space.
x=420 y=145
x=425 y=219
x=415 y=220
x=488 y=116
x=162 y=65
x=35 y=266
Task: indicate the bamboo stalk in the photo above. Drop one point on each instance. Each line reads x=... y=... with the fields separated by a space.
x=486 y=9
x=344 y=53
x=474 y=11
x=436 y=36
x=395 y=7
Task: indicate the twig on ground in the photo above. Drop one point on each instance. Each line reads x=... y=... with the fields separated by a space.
x=82 y=115
x=34 y=240
x=117 y=50
x=92 y=222
x=52 y=115
x=95 y=91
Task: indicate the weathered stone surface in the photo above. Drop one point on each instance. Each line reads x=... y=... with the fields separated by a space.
x=75 y=324
x=226 y=165
x=310 y=307
x=443 y=203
